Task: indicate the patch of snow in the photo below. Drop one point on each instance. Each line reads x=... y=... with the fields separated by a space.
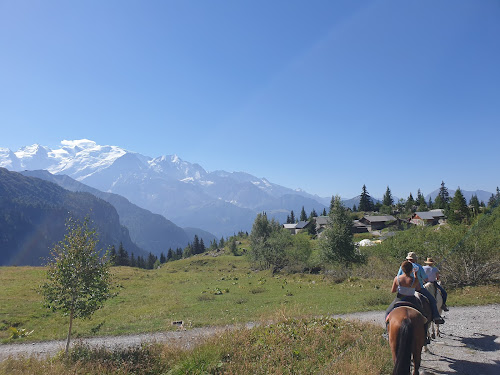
x=188 y=180
x=207 y=183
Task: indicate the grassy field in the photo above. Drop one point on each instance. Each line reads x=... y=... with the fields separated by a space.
x=201 y=291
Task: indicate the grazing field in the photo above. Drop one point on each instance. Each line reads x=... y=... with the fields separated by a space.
x=200 y=291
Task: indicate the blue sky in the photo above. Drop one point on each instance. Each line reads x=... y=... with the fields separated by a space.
x=321 y=95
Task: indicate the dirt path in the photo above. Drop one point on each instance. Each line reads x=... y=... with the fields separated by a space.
x=470 y=342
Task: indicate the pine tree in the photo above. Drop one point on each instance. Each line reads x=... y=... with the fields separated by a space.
x=170 y=255
x=429 y=203
x=313 y=214
x=388 y=201
x=324 y=212
x=292 y=217
x=354 y=208
x=221 y=242
x=151 y=261
x=122 y=256
x=202 y=246
x=422 y=205
x=474 y=203
x=365 y=201
x=492 y=202
x=444 y=196
x=410 y=202
x=288 y=219
x=458 y=211
x=163 y=259
x=336 y=243
x=196 y=245
x=303 y=215
x=132 y=262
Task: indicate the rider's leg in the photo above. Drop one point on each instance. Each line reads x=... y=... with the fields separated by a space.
x=443 y=293
x=432 y=301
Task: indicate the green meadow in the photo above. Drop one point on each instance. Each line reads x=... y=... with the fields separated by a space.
x=201 y=291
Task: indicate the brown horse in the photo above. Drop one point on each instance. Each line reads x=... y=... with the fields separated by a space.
x=406 y=338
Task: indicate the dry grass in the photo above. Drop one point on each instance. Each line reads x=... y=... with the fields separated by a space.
x=292 y=346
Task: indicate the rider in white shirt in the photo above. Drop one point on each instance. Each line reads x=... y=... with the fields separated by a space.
x=433 y=276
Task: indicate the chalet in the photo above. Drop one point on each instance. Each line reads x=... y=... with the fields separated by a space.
x=297 y=227
x=432 y=217
x=359 y=227
x=321 y=222
x=377 y=222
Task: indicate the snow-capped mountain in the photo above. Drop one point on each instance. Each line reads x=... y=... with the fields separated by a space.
x=220 y=202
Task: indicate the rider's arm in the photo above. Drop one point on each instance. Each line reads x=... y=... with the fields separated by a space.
x=416 y=285
x=394 y=285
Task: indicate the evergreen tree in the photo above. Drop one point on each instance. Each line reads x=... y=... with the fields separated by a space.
x=313 y=214
x=122 y=256
x=140 y=262
x=422 y=205
x=410 y=202
x=492 y=202
x=474 y=203
x=303 y=215
x=132 y=262
x=221 y=242
x=429 y=203
x=196 y=249
x=444 y=196
x=151 y=261
x=336 y=243
x=292 y=217
x=202 y=246
x=233 y=248
x=354 y=208
x=365 y=201
x=170 y=255
x=178 y=253
x=288 y=219
x=458 y=211
x=163 y=259
x=324 y=212
x=332 y=202
x=388 y=201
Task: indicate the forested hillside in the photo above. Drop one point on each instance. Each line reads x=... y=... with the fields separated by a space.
x=34 y=213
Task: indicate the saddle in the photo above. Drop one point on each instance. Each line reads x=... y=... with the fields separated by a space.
x=422 y=305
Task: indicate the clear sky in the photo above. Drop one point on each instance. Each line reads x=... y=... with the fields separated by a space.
x=320 y=95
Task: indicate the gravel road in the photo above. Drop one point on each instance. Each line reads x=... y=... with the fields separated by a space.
x=470 y=341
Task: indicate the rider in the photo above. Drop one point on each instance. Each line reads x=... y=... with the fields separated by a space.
x=433 y=276
x=422 y=277
x=405 y=286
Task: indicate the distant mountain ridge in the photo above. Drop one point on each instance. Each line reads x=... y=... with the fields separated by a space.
x=150 y=231
x=34 y=213
x=219 y=202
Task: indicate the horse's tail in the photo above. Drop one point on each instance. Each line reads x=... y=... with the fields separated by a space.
x=404 y=348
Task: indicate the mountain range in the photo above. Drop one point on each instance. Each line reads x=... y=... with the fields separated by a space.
x=218 y=202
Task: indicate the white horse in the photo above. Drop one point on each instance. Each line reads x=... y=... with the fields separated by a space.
x=439 y=301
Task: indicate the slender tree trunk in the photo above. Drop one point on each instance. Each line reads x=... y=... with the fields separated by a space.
x=69 y=331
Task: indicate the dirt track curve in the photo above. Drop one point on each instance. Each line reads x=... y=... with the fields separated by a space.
x=470 y=342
